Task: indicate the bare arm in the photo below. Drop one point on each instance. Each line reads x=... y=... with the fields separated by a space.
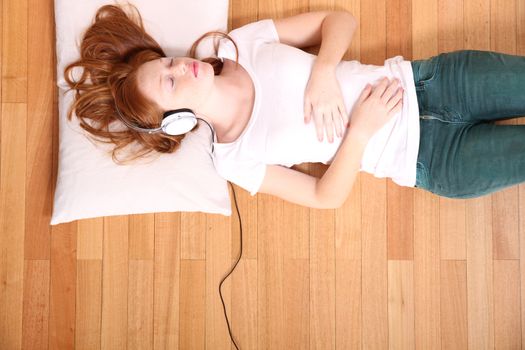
x=337 y=182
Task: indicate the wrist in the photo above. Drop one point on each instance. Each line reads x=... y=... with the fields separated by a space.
x=358 y=135
x=323 y=66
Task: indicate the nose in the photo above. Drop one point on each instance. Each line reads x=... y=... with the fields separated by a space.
x=180 y=68
x=184 y=68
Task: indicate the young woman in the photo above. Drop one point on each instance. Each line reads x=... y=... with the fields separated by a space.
x=426 y=123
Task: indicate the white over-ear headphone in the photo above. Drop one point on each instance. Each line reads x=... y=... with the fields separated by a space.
x=174 y=122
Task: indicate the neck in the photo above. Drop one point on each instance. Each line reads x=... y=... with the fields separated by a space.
x=224 y=101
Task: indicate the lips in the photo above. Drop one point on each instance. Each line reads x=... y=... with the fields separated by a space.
x=195 y=69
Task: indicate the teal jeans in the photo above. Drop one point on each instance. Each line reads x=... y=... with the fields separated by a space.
x=462 y=153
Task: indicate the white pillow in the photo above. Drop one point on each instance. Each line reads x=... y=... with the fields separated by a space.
x=89 y=183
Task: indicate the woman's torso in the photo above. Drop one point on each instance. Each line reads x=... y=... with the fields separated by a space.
x=277 y=134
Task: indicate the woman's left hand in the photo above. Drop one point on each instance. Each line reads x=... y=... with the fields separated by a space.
x=323 y=100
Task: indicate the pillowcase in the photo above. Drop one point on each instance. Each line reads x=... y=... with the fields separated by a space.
x=89 y=184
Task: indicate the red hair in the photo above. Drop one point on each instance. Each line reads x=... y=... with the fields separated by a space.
x=112 y=50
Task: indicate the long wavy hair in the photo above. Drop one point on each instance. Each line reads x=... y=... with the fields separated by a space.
x=112 y=49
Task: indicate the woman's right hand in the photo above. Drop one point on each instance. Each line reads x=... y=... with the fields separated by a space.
x=376 y=106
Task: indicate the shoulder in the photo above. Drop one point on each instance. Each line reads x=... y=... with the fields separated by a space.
x=261 y=30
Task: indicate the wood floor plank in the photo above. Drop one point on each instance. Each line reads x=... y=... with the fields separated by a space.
x=322 y=279
x=520 y=28
x=140 y=305
x=452 y=232
x=35 y=323
x=454 y=304
x=480 y=291
x=12 y=221
x=506 y=297
x=142 y=236
x=63 y=283
x=401 y=304
x=88 y=326
x=41 y=113
x=271 y=322
x=115 y=277
x=244 y=303
x=167 y=281
x=349 y=316
x=218 y=252
x=193 y=236
x=477 y=24
x=90 y=239
x=14 y=50
x=192 y=309
x=451 y=27
x=427 y=299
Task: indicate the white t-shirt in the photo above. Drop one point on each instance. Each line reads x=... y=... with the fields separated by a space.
x=276 y=132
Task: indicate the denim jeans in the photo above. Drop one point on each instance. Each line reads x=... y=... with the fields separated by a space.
x=462 y=153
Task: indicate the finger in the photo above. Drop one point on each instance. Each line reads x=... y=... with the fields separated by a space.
x=307 y=111
x=390 y=91
x=339 y=121
x=380 y=89
x=344 y=116
x=318 y=120
x=396 y=109
x=367 y=90
x=329 y=126
x=395 y=99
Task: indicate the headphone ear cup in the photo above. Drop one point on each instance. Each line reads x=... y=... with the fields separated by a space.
x=178 y=121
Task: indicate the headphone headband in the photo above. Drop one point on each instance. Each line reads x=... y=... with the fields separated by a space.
x=174 y=122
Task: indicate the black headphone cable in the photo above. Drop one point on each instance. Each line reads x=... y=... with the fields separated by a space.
x=233 y=268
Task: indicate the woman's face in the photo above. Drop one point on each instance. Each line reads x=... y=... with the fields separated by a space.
x=172 y=84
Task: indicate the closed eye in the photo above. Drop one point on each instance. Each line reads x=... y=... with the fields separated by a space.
x=172 y=81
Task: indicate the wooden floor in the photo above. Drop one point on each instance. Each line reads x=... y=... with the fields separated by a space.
x=395 y=268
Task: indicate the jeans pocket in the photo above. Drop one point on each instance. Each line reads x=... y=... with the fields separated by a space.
x=428 y=70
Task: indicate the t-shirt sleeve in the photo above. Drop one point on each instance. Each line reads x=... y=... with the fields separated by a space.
x=262 y=31
x=248 y=174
